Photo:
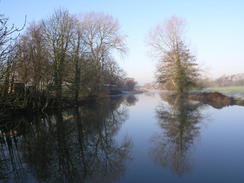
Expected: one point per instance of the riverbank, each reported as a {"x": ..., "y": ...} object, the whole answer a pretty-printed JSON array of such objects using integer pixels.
[
  {"x": 216, "y": 99},
  {"x": 14, "y": 104},
  {"x": 41, "y": 102},
  {"x": 231, "y": 91}
]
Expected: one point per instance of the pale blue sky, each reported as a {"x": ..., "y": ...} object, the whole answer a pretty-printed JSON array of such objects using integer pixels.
[{"x": 215, "y": 28}]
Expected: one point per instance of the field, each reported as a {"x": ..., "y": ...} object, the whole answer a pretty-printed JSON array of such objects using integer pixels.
[{"x": 234, "y": 91}]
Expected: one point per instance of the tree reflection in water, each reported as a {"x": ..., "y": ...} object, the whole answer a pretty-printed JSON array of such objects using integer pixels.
[
  {"x": 179, "y": 119},
  {"x": 75, "y": 145},
  {"x": 131, "y": 100}
]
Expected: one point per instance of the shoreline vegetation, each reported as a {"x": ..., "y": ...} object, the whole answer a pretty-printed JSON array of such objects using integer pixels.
[
  {"x": 43, "y": 102},
  {"x": 216, "y": 99},
  {"x": 212, "y": 98},
  {"x": 66, "y": 60},
  {"x": 61, "y": 61},
  {"x": 40, "y": 102}
]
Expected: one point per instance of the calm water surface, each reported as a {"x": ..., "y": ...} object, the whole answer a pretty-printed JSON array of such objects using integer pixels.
[{"x": 143, "y": 138}]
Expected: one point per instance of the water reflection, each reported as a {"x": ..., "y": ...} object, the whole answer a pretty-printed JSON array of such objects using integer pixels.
[
  {"x": 75, "y": 145},
  {"x": 131, "y": 100},
  {"x": 179, "y": 120}
]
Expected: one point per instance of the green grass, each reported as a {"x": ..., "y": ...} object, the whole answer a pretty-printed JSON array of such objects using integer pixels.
[{"x": 228, "y": 89}]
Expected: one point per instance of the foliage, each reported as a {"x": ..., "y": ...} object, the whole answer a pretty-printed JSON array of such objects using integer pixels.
[
  {"x": 177, "y": 69},
  {"x": 62, "y": 54}
]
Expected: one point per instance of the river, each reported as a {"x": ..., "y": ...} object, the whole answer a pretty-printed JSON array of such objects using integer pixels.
[{"x": 147, "y": 137}]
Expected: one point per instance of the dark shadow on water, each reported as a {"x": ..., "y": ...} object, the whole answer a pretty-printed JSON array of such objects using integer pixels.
[
  {"x": 75, "y": 145},
  {"x": 179, "y": 120}
]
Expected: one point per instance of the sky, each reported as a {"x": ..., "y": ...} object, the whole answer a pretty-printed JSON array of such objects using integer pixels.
[{"x": 215, "y": 28}]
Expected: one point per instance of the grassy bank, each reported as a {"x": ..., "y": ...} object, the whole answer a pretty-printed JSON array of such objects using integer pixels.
[
  {"x": 231, "y": 91},
  {"x": 228, "y": 89}
]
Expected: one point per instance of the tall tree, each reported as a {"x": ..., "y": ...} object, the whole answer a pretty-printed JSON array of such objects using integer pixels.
[
  {"x": 102, "y": 36},
  {"x": 177, "y": 69},
  {"x": 32, "y": 59},
  {"x": 77, "y": 56},
  {"x": 57, "y": 31},
  {"x": 7, "y": 51}
]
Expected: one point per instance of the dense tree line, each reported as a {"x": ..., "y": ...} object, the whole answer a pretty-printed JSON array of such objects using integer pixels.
[{"x": 63, "y": 54}]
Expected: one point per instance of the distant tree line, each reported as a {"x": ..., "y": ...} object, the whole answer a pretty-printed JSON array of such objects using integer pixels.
[
  {"x": 228, "y": 80},
  {"x": 62, "y": 54}
]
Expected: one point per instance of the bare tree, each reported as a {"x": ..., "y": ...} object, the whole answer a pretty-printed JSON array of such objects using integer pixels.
[
  {"x": 32, "y": 61},
  {"x": 177, "y": 69},
  {"x": 57, "y": 32},
  {"x": 102, "y": 36},
  {"x": 8, "y": 37},
  {"x": 78, "y": 57}
]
